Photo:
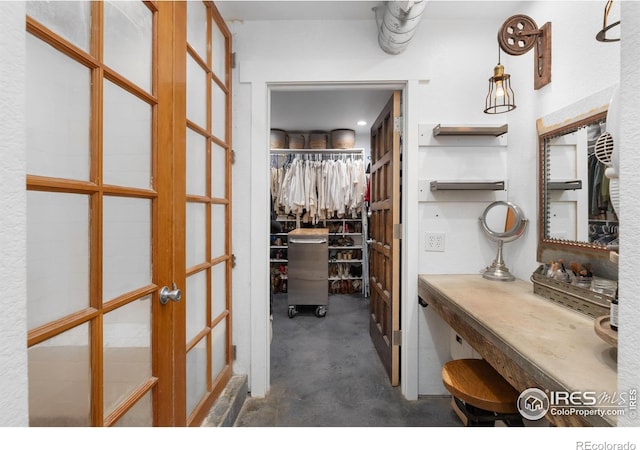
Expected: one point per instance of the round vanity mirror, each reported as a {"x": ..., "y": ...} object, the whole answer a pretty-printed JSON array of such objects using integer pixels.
[{"x": 502, "y": 222}]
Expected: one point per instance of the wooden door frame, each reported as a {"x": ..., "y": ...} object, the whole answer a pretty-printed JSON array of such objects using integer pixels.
[{"x": 172, "y": 171}]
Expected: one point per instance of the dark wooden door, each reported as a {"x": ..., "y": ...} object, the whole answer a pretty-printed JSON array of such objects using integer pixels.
[{"x": 384, "y": 322}]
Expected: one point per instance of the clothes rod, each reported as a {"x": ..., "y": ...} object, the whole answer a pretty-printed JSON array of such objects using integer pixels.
[{"x": 342, "y": 151}]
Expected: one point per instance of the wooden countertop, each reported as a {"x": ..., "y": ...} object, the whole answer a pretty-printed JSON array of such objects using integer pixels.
[
  {"x": 529, "y": 340},
  {"x": 309, "y": 232}
]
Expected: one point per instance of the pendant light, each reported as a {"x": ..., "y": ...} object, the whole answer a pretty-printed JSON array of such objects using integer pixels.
[{"x": 500, "y": 98}]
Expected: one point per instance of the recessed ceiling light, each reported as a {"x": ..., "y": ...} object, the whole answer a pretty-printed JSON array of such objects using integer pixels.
[{"x": 362, "y": 123}]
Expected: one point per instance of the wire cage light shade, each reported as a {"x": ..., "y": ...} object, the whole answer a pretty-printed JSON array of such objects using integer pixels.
[{"x": 500, "y": 98}]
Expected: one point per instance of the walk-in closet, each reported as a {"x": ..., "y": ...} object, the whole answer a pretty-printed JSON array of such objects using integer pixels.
[
  {"x": 314, "y": 188},
  {"x": 320, "y": 160}
]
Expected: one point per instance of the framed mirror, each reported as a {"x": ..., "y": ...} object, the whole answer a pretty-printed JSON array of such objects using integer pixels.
[{"x": 576, "y": 217}]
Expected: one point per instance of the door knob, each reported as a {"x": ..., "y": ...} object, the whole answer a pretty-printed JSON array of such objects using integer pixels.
[{"x": 167, "y": 294}]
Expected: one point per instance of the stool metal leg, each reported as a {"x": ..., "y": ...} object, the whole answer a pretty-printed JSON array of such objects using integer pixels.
[{"x": 478, "y": 417}]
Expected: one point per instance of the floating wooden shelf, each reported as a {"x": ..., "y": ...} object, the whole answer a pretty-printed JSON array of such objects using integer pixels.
[
  {"x": 467, "y": 185},
  {"x": 570, "y": 185},
  {"x": 479, "y": 130}
]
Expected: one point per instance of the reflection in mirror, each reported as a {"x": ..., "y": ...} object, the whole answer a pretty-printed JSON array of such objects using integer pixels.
[
  {"x": 576, "y": 211},
  {"x": 501, "y": 222},
  {"x": 578, "y": 205}
]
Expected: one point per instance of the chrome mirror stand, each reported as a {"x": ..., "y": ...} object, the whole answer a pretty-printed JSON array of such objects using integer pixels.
[{"x": 494, "y": 216}]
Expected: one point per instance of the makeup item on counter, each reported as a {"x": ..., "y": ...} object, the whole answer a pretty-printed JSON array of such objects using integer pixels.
[
  {"x": 549, "y": 269},
  {"x": 613, "y": 313},
  {"x": 581, "y": 275},
  {"x": 560, "y": 273}
]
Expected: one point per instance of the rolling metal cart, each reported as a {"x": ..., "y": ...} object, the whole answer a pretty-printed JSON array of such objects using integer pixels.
[{"x": 308, "y": 270}]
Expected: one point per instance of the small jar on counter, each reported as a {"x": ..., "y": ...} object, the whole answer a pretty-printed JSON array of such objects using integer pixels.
[{"x": 604, "y": 286}]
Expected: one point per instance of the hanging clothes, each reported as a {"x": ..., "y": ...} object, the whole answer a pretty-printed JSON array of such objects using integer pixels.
[{"x": 317, "y": 190}]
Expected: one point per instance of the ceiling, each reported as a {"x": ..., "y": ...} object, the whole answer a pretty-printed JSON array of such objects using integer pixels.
[
  {"x": 327, "y": 108},
  {"x": 296, "y": 10},
  {"x": 357, "y": 10}
]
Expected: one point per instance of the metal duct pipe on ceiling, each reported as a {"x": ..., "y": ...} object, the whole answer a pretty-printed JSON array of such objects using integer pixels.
[{"x": 398, "y": 24}]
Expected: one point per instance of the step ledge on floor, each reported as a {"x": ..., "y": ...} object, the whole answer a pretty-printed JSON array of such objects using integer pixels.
[{"x": 225, "y": 410}]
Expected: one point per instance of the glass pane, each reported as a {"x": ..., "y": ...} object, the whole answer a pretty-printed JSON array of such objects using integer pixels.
[
  {"x": 219, "y": 349},
  {"x": 60, "y": 380},
  {"x": 127, "y": 351},
  {"x": 196, "y": 234},
  {"x": 128, "y": 38},
  {"x": 126, "y": 245},
  {"x": 58, "y": 111},
  {"x": 197, "y": 27},
  {"x": 196, "y": 375},
  {"x": 218, "y": 289},
  {"x": 196, "y": 93},
  {"x": 218, "y": 171},
  {"x": 57, "y": 256},
  {"x": 141, "y": 415},
  {"x": 196, "y": 163},
  {"x": 127, "y": 138},
  {"x": 71, "y": 20},
  {"x": 196, "y": 298},
  {"x": 218, "y": 230},
  {"x": 218, "y": 52},
  {"x": 218, "y": 111}
]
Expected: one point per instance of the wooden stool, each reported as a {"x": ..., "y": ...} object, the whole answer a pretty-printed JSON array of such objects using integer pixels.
[{"x": 480, "y": 394}]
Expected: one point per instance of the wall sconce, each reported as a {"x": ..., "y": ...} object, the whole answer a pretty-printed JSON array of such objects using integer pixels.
[
  {"x": 517, "y": 36},
  {"x": 602, "y": 34}
]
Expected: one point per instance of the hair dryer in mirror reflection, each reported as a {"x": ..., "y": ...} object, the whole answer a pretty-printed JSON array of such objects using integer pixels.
[{"x": 502, "y": 222}]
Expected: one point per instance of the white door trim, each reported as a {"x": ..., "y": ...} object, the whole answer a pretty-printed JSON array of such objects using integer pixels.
[{"x": 263, "y": 80}]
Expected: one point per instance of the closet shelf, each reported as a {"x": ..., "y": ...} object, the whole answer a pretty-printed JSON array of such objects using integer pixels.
[
  {"x": 569, "y": 185},
  {"x": 343, "y": 151},
  {"x": 467, "y": 185},
  {"x": 478, "y": 130}
]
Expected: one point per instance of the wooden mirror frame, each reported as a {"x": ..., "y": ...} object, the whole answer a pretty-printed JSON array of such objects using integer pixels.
[{"x": 603, "y": 264}]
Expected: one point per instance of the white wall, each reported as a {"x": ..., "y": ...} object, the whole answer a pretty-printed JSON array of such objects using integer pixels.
[
  {"x": 13, "y": 322},
  {"x": 581, "y": 66},
  {"x": 628, "y": 360},
  {"x": 443, "y": 87}
]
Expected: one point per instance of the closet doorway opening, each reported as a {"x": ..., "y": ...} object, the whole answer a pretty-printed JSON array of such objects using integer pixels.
[{"x": 335, "y": 162}]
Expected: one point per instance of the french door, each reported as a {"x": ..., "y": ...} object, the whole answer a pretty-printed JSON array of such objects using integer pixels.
[
  {"x": 128, "y": 293},
  {"x": 384, "y": 320}
]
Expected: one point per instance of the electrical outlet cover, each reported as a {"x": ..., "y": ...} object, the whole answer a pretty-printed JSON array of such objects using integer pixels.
[{"x": 434, "y": 242}]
